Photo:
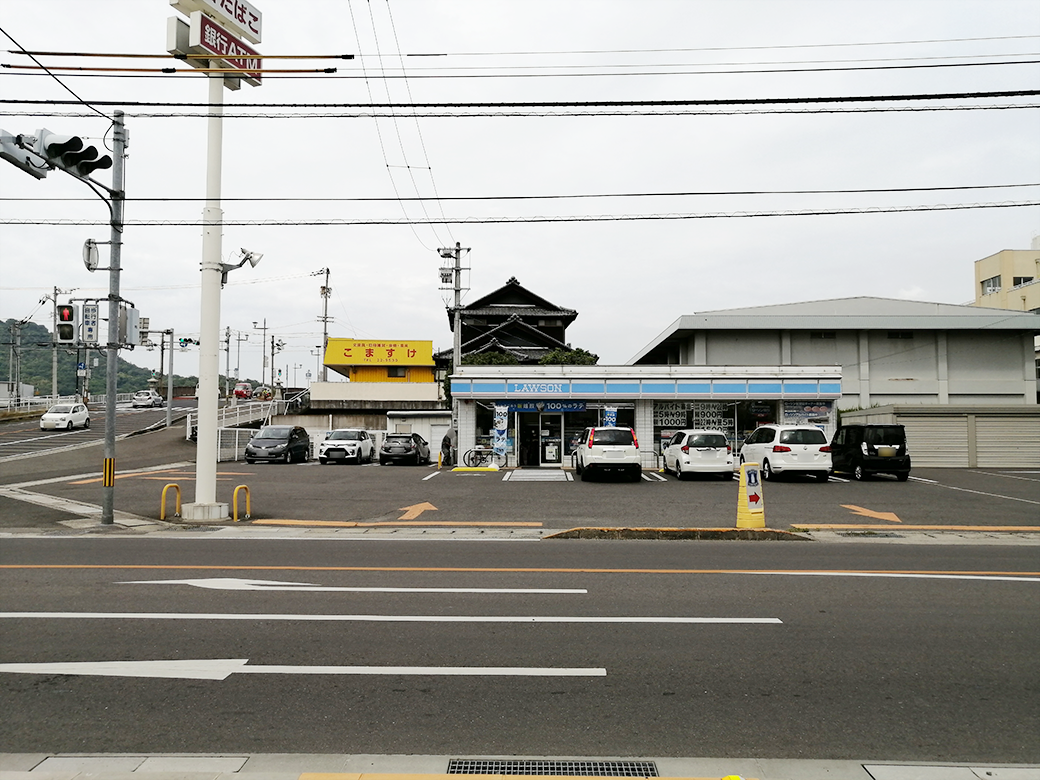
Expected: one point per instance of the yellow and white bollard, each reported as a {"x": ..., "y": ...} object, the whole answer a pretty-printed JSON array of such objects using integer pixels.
[{"x": 751, "y": 504}]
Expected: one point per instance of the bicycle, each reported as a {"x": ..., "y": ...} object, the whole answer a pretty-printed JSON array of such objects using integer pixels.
[{"x": 482, "y": 456}]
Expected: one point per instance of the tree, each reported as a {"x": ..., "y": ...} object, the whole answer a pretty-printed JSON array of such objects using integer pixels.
[{"x": 569, "y": 357}]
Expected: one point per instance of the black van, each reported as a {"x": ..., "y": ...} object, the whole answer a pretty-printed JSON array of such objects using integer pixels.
[{"x": 862, "y": 450}]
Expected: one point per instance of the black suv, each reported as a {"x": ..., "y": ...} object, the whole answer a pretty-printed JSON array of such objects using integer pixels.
[{"x": 862, "y": 450}]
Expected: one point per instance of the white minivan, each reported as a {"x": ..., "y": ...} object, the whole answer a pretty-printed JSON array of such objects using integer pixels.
[
  {"x": 605, "y": 450},
  {"x": 788, "y": 449}
]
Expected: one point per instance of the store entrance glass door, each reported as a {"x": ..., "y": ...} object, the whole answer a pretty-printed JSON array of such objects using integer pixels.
[{"x": 550, "y": 444}]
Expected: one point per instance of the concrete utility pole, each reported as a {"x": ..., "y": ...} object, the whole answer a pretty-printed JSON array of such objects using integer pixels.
[
  {"x": 263, "y": 350},
  {"x": 456, "y": 355},
  {"x": 326, "y": 291}
]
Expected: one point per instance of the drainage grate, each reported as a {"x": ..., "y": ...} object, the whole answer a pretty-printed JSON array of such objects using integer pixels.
[{"x": 475, "y": 766}]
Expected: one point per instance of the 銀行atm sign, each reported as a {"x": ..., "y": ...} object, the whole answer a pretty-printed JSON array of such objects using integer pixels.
[{"x": 208, "y": 35}]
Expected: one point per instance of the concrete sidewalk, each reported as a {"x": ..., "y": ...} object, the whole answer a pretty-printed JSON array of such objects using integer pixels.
[{"x": 241, "y": 766}]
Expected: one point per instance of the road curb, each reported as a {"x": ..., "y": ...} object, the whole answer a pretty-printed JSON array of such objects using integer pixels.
[{"x": 739, "y": 534}]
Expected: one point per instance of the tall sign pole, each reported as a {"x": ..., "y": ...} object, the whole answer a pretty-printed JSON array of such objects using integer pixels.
[{"x": 205, "y": 43}]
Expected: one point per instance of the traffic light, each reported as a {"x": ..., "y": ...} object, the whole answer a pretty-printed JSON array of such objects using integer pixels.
[
  {"x": 129, "y": 326},
  {"x": 66, "y": 323},
  {"x": 68, "y": 153}
]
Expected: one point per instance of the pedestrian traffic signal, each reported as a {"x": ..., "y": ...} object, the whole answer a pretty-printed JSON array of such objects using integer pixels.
[
  {"x": 69, "y": 153},
  {"x": 66, "y": 323}
]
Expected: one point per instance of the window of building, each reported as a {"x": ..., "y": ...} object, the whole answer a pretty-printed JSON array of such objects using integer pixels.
[
  {"x": 395, "y": 372},
  {"x": 1017, "y": 280},
  {"x": 900, "y": 334},
  {"x": 823, "y": 334},
  {"x": 991, "y": 285}
]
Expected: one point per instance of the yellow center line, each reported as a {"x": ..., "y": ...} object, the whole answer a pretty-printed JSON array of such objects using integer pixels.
[{"x": 352, "y": 524}]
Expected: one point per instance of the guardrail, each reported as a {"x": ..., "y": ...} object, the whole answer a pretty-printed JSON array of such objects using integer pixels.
[{"x": 36, "y": 402}]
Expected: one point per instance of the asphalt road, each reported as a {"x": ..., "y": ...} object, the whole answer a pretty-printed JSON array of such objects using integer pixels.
[{"x": 900, "y": 662}]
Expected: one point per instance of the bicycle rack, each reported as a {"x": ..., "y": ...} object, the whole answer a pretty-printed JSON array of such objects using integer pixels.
[
  {"x": 162, "y": 508},
  {"x": 234, "y": 501}
]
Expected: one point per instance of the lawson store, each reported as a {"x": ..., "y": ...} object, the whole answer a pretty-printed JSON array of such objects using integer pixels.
[{"x": 535, "y": 414}]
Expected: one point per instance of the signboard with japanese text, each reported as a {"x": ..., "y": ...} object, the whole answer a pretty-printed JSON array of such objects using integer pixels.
[
  {"x": 208, "y": 36},
  {"x": 709, "y": 414},
  {"x": 671, "y": 414},
  {"x": 242, "y": 17},
  {"x": 378, "y": 352},
  {"x": 90, "y": 329}
]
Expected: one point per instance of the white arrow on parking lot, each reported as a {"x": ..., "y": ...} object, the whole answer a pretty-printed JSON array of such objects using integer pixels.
[
  {"x": 222, "y": 668},
  {"x": 231, "y": 583}
]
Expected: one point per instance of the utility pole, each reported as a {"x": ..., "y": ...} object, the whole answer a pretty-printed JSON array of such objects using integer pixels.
[
  {"x": 263, "y": 349},
  {"x": 227, "y": 364},
  {"x": 239, "y": 338},
  {"x": 455, "y": 276},
  {"x": 326, "y": 291}
]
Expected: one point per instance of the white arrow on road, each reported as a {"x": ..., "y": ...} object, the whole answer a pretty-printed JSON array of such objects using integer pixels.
[
  {"x": 232, "y": 583},
  {"x": 222, "y": 668}
]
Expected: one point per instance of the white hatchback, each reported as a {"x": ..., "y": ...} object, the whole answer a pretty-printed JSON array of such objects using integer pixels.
[
  {"x": 603, "y": 450},
  {"x": 788, "y": 449},
  {"x": 67, "y": 416},
  {"x": 699, "y": 451}
]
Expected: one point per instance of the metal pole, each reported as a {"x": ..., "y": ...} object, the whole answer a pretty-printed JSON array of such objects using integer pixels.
[
  {"x": 227, "y": 364},
  {"x": 54, "y": 352},
  {"x": 108, "y": 480},
  {"x": 169, "y": 385},
  {"x": 205, "y": 506}
]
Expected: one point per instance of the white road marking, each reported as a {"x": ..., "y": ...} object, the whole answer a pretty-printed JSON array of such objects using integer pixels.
[
  {"x": 430, "y": 476},
  {"x": 898, "y": 575},
  {"x": 976, "y": 492},
  {"x": 376, "y": 618},
  {"x": 231, "y": 583},
  {"x": 221, "y": 669}
]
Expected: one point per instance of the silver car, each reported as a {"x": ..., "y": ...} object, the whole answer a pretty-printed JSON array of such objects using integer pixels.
[{"x": 146, "y": 399}]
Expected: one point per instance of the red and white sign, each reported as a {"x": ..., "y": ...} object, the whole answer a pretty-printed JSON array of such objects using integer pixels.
[
  {"x": 207, "y": 35},
  {"x": 240, "y": 16}
]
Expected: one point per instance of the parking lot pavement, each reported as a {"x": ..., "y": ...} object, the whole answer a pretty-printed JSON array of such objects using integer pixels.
[{"x": 383, "y": 499}]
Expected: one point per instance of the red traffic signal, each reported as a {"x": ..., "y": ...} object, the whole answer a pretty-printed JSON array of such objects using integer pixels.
[
  {"x": 66, "y": 323},
  {"x": 67, "y": 313}
]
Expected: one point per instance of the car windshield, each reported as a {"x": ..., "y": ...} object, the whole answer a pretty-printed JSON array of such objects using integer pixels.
[
  {"x": 344, "y": 435},
  {"x": 707, "y": 440},
  {"x": 885, "y": 434},
  {"x": 59, "y": 410},
  {"x": 612, "y": 436},
  {"x": 274, "y": 432},
  {"x": 803, "y": 436}
]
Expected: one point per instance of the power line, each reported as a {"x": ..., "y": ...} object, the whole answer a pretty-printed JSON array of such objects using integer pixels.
[
  {"x": 467, "y": 198},
  {"x": 532, "y": 219}
]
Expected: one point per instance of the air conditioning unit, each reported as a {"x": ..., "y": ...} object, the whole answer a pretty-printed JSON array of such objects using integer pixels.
[{"x": 991, "y": 290}]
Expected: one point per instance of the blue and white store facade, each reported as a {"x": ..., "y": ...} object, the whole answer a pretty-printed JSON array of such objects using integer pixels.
[{"x": 535, "y": 414}]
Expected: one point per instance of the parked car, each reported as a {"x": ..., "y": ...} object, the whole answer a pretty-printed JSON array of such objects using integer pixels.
[
  {"x": 146, "y": 399},
  {"x": 404, "y": 448},
  {"x": 606, "y": 450},
  {"x": 862, "y": 450},
  {"x": 699, "y": 452},
  {"x": 285, "y": 443},
  {"x": 66, "y": 416},
  {"x": 243, "y": 390},
  {"x": 788, "y": 449},
  {"x": 346, "y": 444}
]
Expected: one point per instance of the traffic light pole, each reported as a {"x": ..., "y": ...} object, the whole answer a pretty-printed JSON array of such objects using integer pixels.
[{"x": 112, "y": 352}]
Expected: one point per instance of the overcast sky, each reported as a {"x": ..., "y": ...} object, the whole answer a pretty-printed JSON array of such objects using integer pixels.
[{"x": 508, "y": 179}]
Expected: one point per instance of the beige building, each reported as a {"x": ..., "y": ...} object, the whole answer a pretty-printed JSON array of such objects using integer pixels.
[{"x": 1010, "y": 279}]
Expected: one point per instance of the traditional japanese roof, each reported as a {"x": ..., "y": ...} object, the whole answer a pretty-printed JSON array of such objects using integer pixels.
[{"x": 514, "y": 298}]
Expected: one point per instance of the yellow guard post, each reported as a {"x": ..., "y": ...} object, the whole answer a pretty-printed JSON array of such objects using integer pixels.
[{"x": 751, "y": 505}]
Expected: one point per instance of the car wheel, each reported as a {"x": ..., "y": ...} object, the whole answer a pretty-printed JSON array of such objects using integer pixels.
[
  {"x": 903, "y": 476},
  {"x": 578, "y": 467},
  {"x": 823, "y": 476},
  {"x": 858, "y": 473},
  {"x": 678, "y": 470},
  {"x": 586, "y": 475},
  {"x": 382, "y": 462},
  {"x": 767, "y": 470},
  {"x": 86, "y": 423},
  {"x": 69, "y": 426},
  {"x": 287, "y": 457},
  {"x": 323, "y": 461},
  {"x": 637, "y": 475},
  {"x": 726, "y": 476}
]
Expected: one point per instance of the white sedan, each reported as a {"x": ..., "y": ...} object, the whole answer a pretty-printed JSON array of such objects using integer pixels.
[
  {"x": 67, "y": 416},
  {"x": 699, "y": 452}
]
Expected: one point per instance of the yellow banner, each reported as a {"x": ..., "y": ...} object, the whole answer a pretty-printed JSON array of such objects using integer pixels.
[{"x": 378, "y": 352}]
